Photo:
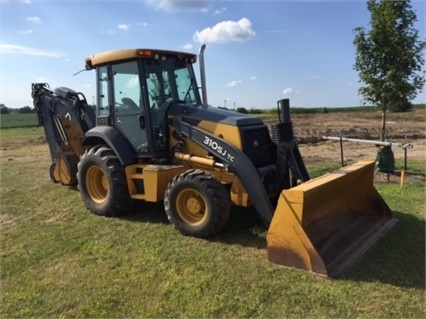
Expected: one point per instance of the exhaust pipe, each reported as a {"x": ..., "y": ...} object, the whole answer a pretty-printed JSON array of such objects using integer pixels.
[{"x": 203, "y": 75}]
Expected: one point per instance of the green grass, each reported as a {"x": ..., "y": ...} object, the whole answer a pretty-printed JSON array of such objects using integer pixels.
[
  {"x": 57, "y": 260},
  {"x": 21, "y": 135},
  {"x": 15, "y": 119}
]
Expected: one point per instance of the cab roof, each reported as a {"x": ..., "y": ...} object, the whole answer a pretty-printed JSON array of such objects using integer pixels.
[{"x": 109, "y": 57}]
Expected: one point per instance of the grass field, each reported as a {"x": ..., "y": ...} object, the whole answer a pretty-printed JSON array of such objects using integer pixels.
[
  {"x": 57, "y": 260},
  {"x": 15, "y": 119}
]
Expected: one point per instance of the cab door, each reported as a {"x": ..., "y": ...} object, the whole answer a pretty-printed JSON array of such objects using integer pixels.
[{"x": 128, "y": 106}]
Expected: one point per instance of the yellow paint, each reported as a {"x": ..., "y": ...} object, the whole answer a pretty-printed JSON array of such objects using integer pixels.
[
  {"x": 311, "y": 220},
  {"x": 154, "y": 179}
]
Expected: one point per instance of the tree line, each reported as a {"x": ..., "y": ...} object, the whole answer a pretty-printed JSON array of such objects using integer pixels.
[{"x": 6, "y": 110}]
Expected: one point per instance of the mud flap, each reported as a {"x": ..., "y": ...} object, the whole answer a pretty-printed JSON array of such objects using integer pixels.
[{"x": 326, "y": 224}]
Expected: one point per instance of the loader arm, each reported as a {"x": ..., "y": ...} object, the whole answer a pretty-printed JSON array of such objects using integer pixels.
[{"x": 236, "y": 161}]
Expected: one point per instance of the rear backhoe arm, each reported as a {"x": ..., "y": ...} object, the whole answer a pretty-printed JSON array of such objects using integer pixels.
[
  {"x": 238, "y": 163},
  {"x": 65, "y": 116}
]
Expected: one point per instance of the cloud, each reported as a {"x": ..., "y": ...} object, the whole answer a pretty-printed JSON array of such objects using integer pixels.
[
  {"x": 25, "y": 32},
  {"x": 226, "y": 31},
  {"x": 34, "y": 19},
  {"x": 183, "y": 5},
  {"x": 234, "y": 83},
  {"x": 219, "y": 11},
  {"x": 17, "y": 49},
  {"x": 188, "y": 46},
  {"x": 133, "y": 82},
  {"x": 253, "y": 77},
  {"x": 123, "y": 27},
  {"x": 288, "y": 91}
]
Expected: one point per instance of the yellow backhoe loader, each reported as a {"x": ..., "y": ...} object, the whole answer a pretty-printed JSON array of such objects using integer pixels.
[{"x": 153, "y": 137}]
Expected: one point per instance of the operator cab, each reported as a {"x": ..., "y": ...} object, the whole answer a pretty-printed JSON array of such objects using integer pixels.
[{"x": 135, "y": 89}]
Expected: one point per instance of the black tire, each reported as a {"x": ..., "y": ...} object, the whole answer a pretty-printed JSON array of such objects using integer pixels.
[
  {"x": 197, "y": 204},
  {"x": 102, "y": 182}
]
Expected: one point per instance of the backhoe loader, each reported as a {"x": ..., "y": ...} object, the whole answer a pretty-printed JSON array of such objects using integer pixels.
[{"x": 153, "y": 137}]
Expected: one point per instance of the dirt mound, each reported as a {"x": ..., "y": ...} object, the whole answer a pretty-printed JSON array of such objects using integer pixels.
[
  {"x": 408, "y": 127},
  {"x": 362, "y": 125}
]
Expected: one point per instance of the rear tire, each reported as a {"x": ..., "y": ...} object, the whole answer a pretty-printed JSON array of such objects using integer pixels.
[
  {"x": 197, "y": 204},
  {"x": 102, "y": 182}
]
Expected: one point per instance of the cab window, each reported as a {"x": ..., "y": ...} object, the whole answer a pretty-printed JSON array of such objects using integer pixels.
[
  {"x": 103, "y": 85},
  {"x": 127, "y": 90}
]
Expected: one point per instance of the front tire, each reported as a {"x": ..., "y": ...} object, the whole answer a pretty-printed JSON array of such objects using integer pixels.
[
  {"x": 197, "y": 204},
  {"x": 102, "y": 182}
]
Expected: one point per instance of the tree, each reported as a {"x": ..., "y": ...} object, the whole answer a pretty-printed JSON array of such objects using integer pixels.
[
  {"x": 389, "y": 57},
  {"x": 4, "y": 109},
  {"x": 242, "y": 110},
  {"x": 25, "y": 109}
]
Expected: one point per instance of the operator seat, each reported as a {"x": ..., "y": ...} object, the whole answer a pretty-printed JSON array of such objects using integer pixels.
[{"x": 132, "y": 106}]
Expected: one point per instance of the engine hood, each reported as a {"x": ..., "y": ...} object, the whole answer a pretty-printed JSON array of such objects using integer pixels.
[{"x": 196, "y": 114}]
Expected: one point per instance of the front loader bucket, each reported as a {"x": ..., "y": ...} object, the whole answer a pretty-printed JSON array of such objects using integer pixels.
[{"x": 326, "y": 224}]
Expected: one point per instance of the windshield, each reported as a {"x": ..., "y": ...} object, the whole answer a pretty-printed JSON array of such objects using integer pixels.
[{"x": 170, "y": 81}]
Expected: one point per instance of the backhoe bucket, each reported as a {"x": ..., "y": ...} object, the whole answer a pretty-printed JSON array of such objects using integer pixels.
[{"x": 326, "y": 224}]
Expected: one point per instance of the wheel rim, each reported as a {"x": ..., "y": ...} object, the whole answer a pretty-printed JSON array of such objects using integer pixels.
[
  {"x": 191, "y": 206},
  {"x": 97, "y": 184}
]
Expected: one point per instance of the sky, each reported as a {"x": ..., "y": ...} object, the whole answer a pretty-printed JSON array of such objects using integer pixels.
[{"x": 258, "y": 52}]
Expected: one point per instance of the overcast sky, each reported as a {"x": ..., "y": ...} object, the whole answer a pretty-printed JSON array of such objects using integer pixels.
[{"x": 257, "y": 51}]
